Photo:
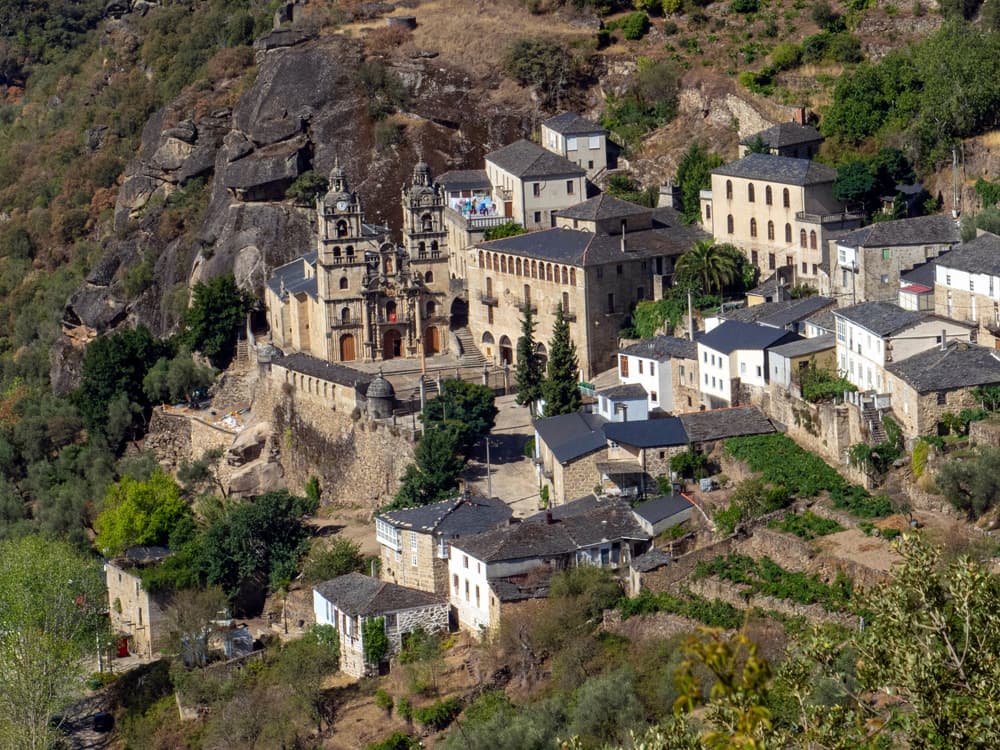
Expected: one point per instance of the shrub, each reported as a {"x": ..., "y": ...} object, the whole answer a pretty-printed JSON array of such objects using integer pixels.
[
  {"x": 396, "y": 741},
  {"x": 819, "y": 384},
  {"x": 384, "y": 701},
  {"x": 544, "y": 65},
  {"x": 786, "y": 56},
  {"x": 745, "y": 6},
  {"x": 307, "y": 187},
  {"x": 690, "y": 463},
  {"x": 376, "y": 642},
  {"x": 439, "y": 714},
  {"x": 635, "y": 25},
  {"x": 806, "y": 525},
  {"x": 389, "y": 133}
]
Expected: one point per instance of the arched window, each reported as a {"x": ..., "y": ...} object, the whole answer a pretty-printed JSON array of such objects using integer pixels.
[
  {"x": 503, "y": 263},
  {"x": 350, "y": 253},
  {"x": 572, "y": 277},
  {"x": 565, "y": 275},
  {"x": 341, "y": 228},
  {"x": 548, "y": 272},
  {"x": 788, "y": 233},
  {"x": 753, "y": 227},
  {"x": 729, "y": 190},
  {"x": 426, "y": 223},
  {"x": 802, "y": 238},
  {"x": 770, "y": 230},
  {"x": 812, "y": 239},
  {"x": 517, "y": 267},
  {"x": 767, "y": 195},
  {"x": 336, "y": 254},
  {"x": 345, "y": 315},
  {"x": 421, "y": 249},
  {"x": 534, "y": 270},
  {"x": 729, "y": 224},
  {"x": 785, "y": 199},
  {"x": 431, "y": 309},
  {"x": 429, "y": 277},
  {"x": 481, "y": 254},
  {"x": 496, "y": 262},
  {"x": 750, "y": 192},
  {"x": 343, "y": 282},
  {"x": 434, "y": 248}
]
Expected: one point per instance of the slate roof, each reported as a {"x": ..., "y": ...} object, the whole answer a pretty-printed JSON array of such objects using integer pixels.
[
  {"x": 922, "y": 275},
  {"x": 920, "y": 230},
  {"x": 464, "y": 514},
  {"x": 624, "y": 392},
  {"x": 662, "y": 507},
  {"x": 717, "y": 424},
  {"x": 139, "y": 556},
  {"x": 294, "y": 277},
  {"x": 780, "y": 314},
  {"x": 570, "y": 436},
  {"x": 651, "y": 560},
  {"x": 785, "y": 134},
  {"x": 539, "y": 538},
  {"x": 526, "y": 160},
  {"x": 318, "y": 368},
  {"x": 570, "y": 123},
  {"x": 647, "y": 433},
  {"x": 979, "y": 255},
  {"x": 464, "y": 179},
  {"x": 960, "y": 365},
  {"x": 582, "y": 248},
  {"x": 881, "y": 318},
  {"x": 661, "y": 348},
  {"x": 781, "y": 169},
  {"x": 823, "y": 319},
  {"x": 733, "y": 335},
  {"x": 359, "y": 595},
  {"x": 602, "y": 207},
  {"x": 806, "y": 346}
]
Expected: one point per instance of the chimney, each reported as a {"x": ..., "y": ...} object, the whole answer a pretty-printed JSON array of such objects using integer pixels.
[
  {"x": 800, "y": 115},
  {"x": 944, "y": 339},
  {"x": 623, "y": 239},
  {"x": 548, "y": 517}
]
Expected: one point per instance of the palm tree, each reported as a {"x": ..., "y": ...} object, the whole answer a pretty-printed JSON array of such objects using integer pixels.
[{"x": 708, "y": 265}]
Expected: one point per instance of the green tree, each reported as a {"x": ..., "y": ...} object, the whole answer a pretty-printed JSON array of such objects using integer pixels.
[
  {"x": 376, "y": 642},
  {"x": 855, "y": 184},
  {"x": 211, "y": 325},
  {"x": 467, "y": 408},
  {"x": 255, "y": 546},
  {"x": 528, "y": 373},
  {"x": 561, "y": 390},
  {"x": 51, "y": 609},
  {"x": 507, "y": 229},
  {"x": 972, "y": 483},
  {"x": 304, "y": 664},
  {"x": 605, "y": 709},
  {"x": 544, "y": 65},
  {"x": 433, "y": 475},
  {"x": 196, "y": 475},
  {"x": 150, "y": 512},
  {"x": 694, "y": 174},
  {"x": 307, "y": 187},
  {"x": 758, "y": 146},
  {"x": 624, "y": 187},
  {"x": 342, "y": 556},
  {"x": 176, "y": 379},
  {"x": 705, "y": 266}
]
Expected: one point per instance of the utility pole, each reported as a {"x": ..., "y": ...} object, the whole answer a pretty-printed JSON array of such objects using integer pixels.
[
  {"x": 489, "y": 477},
  {"x": 690, "y": 317}
]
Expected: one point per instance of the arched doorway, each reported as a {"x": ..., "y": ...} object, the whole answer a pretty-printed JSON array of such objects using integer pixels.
[
  {"x": 543, "y": 356},
  {"x": 487, "y": 345},
  {"x": 392, "y": 344},
  {"x": 347, "y": 353},
  {"x": 432, "y": 341},
  {"x": 459, "y": 313},
  {"x": 506, "y": 351}
]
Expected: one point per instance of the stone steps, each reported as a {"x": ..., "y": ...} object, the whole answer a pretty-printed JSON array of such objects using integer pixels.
[
  {"x": 874, "y": 422},
  {"x": 471, "y": 356}
]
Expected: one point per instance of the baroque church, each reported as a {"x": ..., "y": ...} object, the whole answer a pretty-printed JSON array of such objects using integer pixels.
[{"x": 359, "y": 296}]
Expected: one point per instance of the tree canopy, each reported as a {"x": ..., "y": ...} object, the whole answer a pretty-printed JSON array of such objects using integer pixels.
[
  {"x": 147, "y": 512},
  {"x": 561, "y": 389},
  {"x": 433, "y": 475},
  {"x": 694, "y": 174},
  {"x": 706, "y": 266},
  {"x": 466, "y": 408},
  {"x": 528, "y": 373},
  {"x": 211, "y": 325}
]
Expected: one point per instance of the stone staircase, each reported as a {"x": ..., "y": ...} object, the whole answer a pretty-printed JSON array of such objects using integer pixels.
[
  {"x": 242, "y": 351},
  {"x": 874, "y": 422},
  {"x": 471, "y": 356}
]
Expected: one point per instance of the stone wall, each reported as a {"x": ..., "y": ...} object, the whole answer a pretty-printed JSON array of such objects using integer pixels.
[
  {"x": 576, "y": 478},
  {"x": 824, "y": 428},
  {"x": 169, "y": 439},
  {"x": 135, "y": 613},
  {"x": 741, "y": 598},
  {"x": 358, "y": 461},
  {"x": 430, "y": 573}
]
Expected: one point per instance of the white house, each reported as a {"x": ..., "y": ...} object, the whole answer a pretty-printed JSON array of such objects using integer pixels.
[
  {"x": 873, "y": 334},
  {"x": 651, "y": 363},
  {"x": 623, "y": 403},
  {"x": 967, "y": 284},
  {"x": 580, "y": 141},
  {"x": 734, "y": 354},
  {"x": 349, "y": 601}
]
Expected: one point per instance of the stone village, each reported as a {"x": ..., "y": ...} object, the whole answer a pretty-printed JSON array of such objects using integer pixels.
[{"x": 361, "y": 331}]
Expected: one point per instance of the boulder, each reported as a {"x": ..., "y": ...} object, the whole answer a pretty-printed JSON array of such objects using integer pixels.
[
  {"x": 257, "y": 478},
  {"x": 249, "y": 444}
]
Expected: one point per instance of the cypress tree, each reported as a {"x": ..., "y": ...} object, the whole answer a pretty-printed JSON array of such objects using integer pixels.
[
  {"x": 528, "y": 374},
  {"x": 560, "y": 389}
]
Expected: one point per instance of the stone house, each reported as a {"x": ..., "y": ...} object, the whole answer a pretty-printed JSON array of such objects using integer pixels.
[
  {"x": 667, "y": 367},
  {"x": 639, "y": 452},
  {"x": 967, "y": 285},
  {"x": 780, "y": 211},
  {"x": 794, "y": 139},
  {"x": 349, "y": 601},
  {"x": 580, "y": 141},
  {"x": 704, "y": 428},
  {"x": 788, "y": 360},
  {"x": 135, "y": 613},
  {"x": 733, "y": 357},
  {"x": 871, "y": 335},
  {"x": 597, "y": 277},
  {"x": 515, "y": 562},
  {"x": 359, "y": 295},
  {"x": 567, "y": 449},
  {"x": 788, "y": 314},
  {"x": 660, "y": 514},
  {"x": 937, "y": 381},
  {"x": 869, "y": 261},
  {"x": 414, "y": 543}
]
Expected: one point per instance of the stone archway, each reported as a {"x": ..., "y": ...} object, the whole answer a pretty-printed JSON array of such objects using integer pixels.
[
  {"x": 506, "y": 351},
  {"x": 432, "y": 340},
  {"x": 459, "y": 313},
  {"x": 392, "y": 344}
]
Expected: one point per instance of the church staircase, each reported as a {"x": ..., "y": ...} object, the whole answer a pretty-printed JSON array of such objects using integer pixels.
[{"x": 470, "y": 355}]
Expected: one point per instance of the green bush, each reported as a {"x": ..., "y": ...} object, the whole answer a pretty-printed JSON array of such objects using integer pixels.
[
  {"x": 383, "y": 700},
  {"x": 823, "y": 385},
  {"x": 764, "y": 576},
  {"x": 396, "y": 741},
  {"x": 806, "y": 525},
  {"x": 634, "y": 25},
  {"x": 711, "y": 612},
  {"x": 745, "y": 6},
  {"x": 786, "y": 56},
  {"x": 439, "y": 714}
]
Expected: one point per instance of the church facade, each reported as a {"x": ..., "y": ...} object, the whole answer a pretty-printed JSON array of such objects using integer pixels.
[{"x": 360, "y": 296}]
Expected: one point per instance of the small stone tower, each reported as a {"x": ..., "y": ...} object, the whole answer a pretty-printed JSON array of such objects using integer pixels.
[{"x": 380, "y": 398}]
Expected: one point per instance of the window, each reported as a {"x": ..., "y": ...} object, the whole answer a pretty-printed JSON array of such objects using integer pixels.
[
  {"x": 743, "y": 368},
  {"x": 640, "y": 367},
  {"x": 536, "y": 189},
  {"x": 759, "y": 373},
  {"x": 538, "y": 217},
  {"x": 942, "y": 399},
  {"x": 788, "y": 233},
  {"x": 750, "y": 192},
  {"x": 477, "y": 596},
  {"x": 600, "y": 272},
  {"x": 753, "y": 227},
  {"x": 569, "y": 187},
  {"x": 802, "y": 238},
  {"x": 947, "y": 279},
  {"x": 571, "y": 144},
  {"x": 770, "y": 230},
  {"x": 611, "y": 302},
  {"x": 770, "y": 261},
  {"x": 623, "y": 366},
  {"x": 886, "y": 253},
  {"x": 652, "y": 396},
  {"x": 805, "y": 268},
  {"x": 767, "y": 195},
  {"x": 454, "y": 580},
  {"x": 343, "y": 283},
  {"x": 681, "y": 368},
  {"x": 729, "y": 190},
  {"x": 590, "y": 164},
  {"x": 704, "y": 356},
  {"x": 785, "y": 199},
  {"x": 753, "y": 257},
  {"x": 812, "y": 240},
  {"x": 815, "y": 269},
  {"x": 466, "y": 591},
  {"x": 593, "y": 142},
  {"x": 465, "y": 561},
  {"x": 652, "y": 368},
  {"x": 618, "y": 269},
  {"x": 729, "y": 224},
  {"x": 789, "y": 260},
  {"x": 413, "y": 548},
  {"x": 708, "y": 210}
]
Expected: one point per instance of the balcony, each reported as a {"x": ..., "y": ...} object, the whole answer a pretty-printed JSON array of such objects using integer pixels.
[
  {"x": 476, "y": 222},
  {"x": 568, "y": 313},
  {"x": 488, "y": 298},
  {"x": 392, "y": 320},
  {"x": 520, "y": 303},
  {"x": 840, "y": 217},
  {"x": 347, "y": 323}
]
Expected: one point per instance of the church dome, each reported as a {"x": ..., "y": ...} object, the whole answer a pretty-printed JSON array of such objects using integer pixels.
[
  {"x": 422, "y": 173},
  {"x": 380, "y": 388}
]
